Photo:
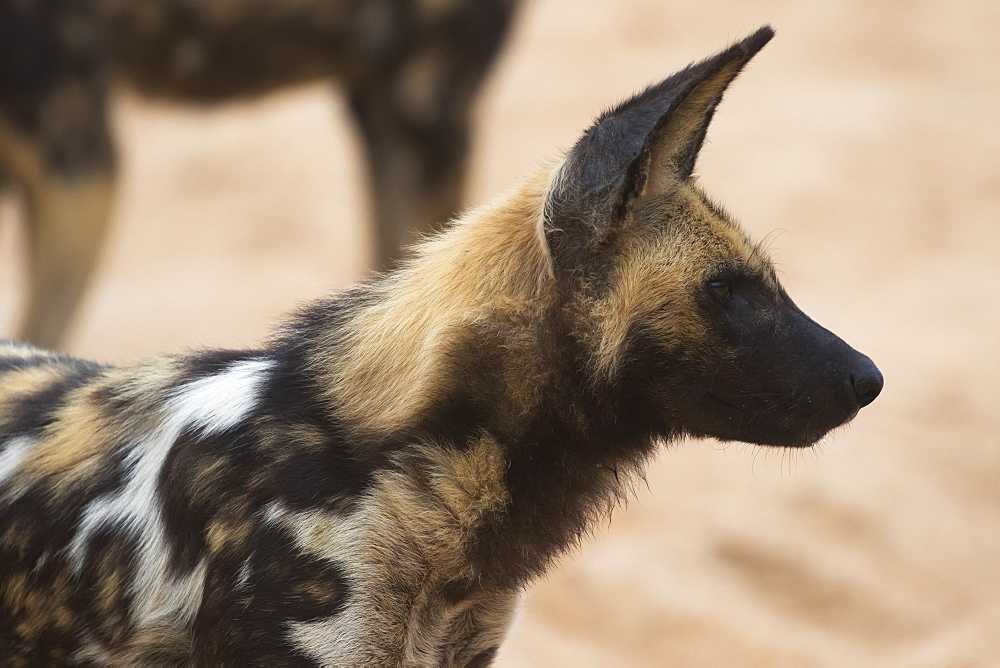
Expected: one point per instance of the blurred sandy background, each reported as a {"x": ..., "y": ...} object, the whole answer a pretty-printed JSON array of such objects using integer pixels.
[{"x": 865, "y": 139}]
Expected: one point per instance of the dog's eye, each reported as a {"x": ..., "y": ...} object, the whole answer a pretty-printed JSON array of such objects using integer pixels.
[{"x": 721, "y": 290}]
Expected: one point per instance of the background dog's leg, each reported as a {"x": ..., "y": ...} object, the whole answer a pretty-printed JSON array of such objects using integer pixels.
[
  {"x": 68, "y": 219},
  {"x": 416, "y": 168},
  {"x": 415, "y": 120}
]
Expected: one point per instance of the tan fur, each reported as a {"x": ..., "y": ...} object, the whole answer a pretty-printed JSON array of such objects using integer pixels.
[
  {"x": 471, "y": 482},
  {"x": 72, "y": 453},
  {"x": 660, "y": 269},
  {"x": 15, "y": 384},
  {"x": 228, "y": 528},
  {"x": 491, "y": 263}
]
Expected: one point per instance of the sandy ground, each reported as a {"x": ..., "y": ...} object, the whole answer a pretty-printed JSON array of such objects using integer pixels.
[{"x": 865, "y": 140}]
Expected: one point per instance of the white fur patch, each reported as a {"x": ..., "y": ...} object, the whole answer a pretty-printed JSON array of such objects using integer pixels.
[
  {"x": 246, "y": 570},
  {"x": 13, "y": 454},
  {"x": 334, "y": 641},
  {"x": 220, "y": 402},
  {"x": 368, "y": 630},
  {"x": 554, "y": 177},
  {"x": 338, "y": 640},
  {"x": 212, "y": 404}
]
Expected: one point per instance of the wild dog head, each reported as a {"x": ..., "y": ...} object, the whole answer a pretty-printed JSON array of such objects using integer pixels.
[{"x": 670, "y": 303}]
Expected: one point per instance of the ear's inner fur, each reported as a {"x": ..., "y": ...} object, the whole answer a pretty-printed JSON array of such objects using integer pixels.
[
  {"x": 644, "y": 146},
  {"x": 673, "y": 146}
]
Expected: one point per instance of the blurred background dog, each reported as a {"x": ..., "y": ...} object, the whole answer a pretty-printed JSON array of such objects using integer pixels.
[
  {"x": 869, "y": 132},
  {"x": 410, "y": 71}
]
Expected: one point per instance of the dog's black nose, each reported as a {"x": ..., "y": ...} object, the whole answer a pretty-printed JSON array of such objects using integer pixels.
[{"x": 867, "y": 382}]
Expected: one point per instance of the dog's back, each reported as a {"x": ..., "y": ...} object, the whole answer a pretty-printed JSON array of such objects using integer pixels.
[
  {"x": 104, "y": 540},
  {"x": 204, "y": 508}
]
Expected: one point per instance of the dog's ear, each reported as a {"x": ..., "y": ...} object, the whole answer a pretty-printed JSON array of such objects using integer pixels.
[{"x": 640, "y": 148}]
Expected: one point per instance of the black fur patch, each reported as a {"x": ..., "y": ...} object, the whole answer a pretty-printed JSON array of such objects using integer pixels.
[{"x": 253, "y": 592}]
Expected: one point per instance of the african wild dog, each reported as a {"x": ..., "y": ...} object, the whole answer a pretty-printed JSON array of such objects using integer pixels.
[
  {"x": 410, "y": 69},
  {"x": 377, "y": 483}
]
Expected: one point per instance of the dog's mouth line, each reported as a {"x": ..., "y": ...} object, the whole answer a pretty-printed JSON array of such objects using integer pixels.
[
  {"x": 725, "y": 403},
  {"x": 802, "y": 440}
]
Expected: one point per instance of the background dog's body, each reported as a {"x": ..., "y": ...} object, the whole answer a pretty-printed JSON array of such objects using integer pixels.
[
  {"x": 378, "y": 483},
  {"x": 410, "y": 69}
]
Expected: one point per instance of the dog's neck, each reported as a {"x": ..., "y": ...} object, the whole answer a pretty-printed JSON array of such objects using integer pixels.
[
  {"x": 468, "y": 339},
  {"x": 477, "y": 289}
]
